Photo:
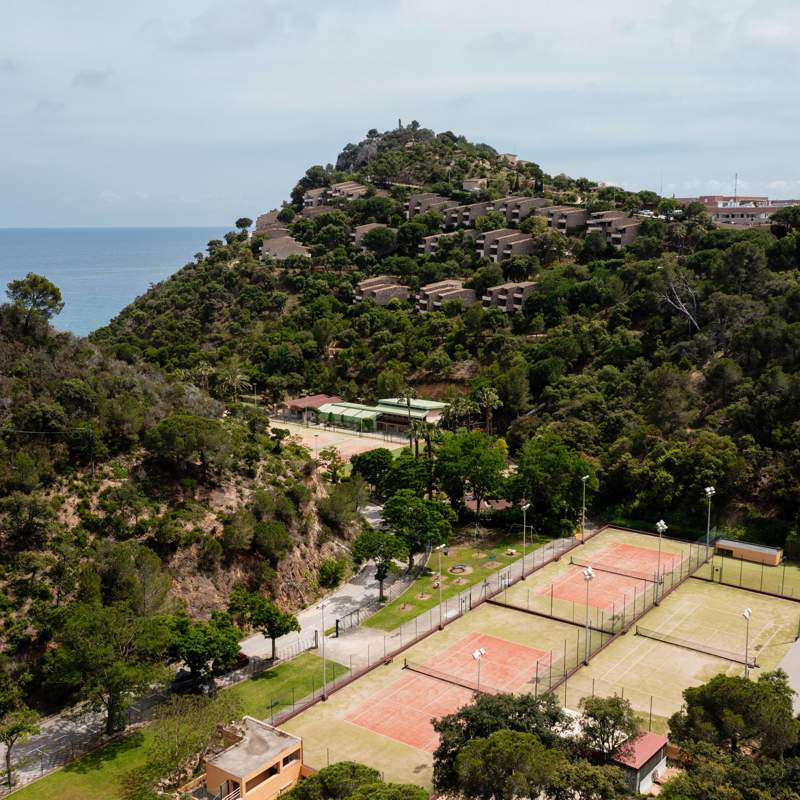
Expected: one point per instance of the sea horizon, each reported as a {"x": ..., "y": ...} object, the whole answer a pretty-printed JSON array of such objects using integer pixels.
[{"x": 100, "y": 269}]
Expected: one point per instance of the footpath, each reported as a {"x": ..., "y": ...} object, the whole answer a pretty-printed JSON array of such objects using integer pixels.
[{"x": 69, "y": 734}]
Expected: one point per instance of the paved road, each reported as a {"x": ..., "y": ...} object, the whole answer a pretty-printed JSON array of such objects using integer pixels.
[{"x": 63, "y": 732}]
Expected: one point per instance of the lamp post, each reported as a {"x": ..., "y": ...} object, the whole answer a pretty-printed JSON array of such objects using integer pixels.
[
  {"x": 478, "y": 655},
  {"x": 439, "y": 550},
  {"x": 710, "y": 492},
  {"x": 746, "y": 614},
  {"x": 661, "y": 527},
  {"x": 316, "y": 445},
  {"x": 584, "y": 478},
  {"x": 321, "y": 607},
  {"x": 588, "y": 574},
  {"x": 524, "y": 529}
]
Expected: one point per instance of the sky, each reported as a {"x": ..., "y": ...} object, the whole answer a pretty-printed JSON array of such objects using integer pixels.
[{"x": 196, "y": 112}]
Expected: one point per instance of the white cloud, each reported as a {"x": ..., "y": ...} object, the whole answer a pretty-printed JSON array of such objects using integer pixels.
[{"x": 218, "y": 106}]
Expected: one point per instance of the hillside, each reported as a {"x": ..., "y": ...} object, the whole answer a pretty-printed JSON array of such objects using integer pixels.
[
  {"x": 120, "y": 485},
  {"x": 670, "y": 363}
]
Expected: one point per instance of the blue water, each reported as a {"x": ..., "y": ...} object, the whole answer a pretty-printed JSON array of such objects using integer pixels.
[{"x": 99, "y": 270}]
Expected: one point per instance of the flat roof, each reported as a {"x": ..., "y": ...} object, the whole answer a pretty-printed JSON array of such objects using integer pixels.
[
  {"x": 753, "y": 548},
  {"x": 312, "y": 401},
  {"x": 635, "y": 754},
  {"x": 261, "y": 744},
  {"x": 429, "y": 405},
  {"x": 349, "y": 410}
]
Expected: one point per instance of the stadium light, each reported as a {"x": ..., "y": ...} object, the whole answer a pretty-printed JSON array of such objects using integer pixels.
[
  {"x": 321, "y": 607},
  {"x": 478, "y": 655},
  {"x": 710, "y": 492},
  {"x": 524, "y": 528},
  {"x": 439, "y": 550},
  {"x": 661, "y": 527},
  {"x": 747, "y": 613},
  {"x": 583, "y": 509},
  {"x": 588, "y": 575}
]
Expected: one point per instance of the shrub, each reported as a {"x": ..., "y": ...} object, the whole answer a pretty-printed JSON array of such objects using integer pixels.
[{"x": 331, "y": 572}]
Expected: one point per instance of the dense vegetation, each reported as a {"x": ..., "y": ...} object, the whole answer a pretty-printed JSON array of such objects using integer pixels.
[
  {"x": 670, "y": 366},
  {"x": 137, "y": 467}
]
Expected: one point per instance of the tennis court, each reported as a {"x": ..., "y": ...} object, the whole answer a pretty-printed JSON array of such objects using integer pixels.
[
  {"x": 630, "y": 571},
  {"x": 783, "y": 580},
  {"x": 405, "y": 709},
  {"x": 348, "y": 443},
  {"x": 706, "y": 635},
  {"x": 384, "y": 718}
]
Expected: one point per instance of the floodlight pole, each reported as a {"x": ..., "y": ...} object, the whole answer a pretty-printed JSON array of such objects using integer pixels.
[
  {"x": 524, "y": 529},
  {"x": 661, "y": 527},
  {"x": 746, "y": 614},
  {"x": 478, "y": 655},
  {"x": 588, "y": 574},
  {"x": 324, "y": 670},
  {"x": 710, "y": 492},
  {"x": 439, "y": 552}
]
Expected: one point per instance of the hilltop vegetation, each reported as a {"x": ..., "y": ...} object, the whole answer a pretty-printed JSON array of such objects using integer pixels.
[{"x": 671, "y": 365}]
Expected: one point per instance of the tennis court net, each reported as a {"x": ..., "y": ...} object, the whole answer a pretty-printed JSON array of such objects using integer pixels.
[
  {"x": 698, "y": 647},
  {"x": 639, "y": 575},
  {"x": 446, "y": 677}
]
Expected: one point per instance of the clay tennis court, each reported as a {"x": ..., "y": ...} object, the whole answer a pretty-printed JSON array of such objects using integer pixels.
[
  {"x": 405, "y": 709},
  {"x": 611, "y": 589},
  {"x": 317, "y": 437}
]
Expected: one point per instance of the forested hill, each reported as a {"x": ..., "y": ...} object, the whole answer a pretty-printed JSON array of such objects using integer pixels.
[{"x": 672, "y": 364}]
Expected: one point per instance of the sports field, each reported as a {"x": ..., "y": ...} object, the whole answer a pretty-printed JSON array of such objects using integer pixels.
[
  {"x": 533, "y": 635},
  {"x": 704, "y": 615},
  {"x": 317, "y": 437},
  {"x": 384, "y": 718}
]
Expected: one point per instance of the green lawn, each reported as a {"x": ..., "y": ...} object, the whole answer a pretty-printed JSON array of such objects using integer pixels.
[
  {"x": 486, "y": 557},
  {"x": 97, "y": 776}
]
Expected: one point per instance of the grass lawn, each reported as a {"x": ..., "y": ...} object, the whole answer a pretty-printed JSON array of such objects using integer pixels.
[
  {"x": 98, "y": 775},
  {"x": 484, "y": 558}
]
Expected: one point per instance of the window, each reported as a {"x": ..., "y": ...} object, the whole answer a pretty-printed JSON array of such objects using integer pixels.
[
  {"x": 262, "y": 776},
  {"x": 291, "y": 757}
]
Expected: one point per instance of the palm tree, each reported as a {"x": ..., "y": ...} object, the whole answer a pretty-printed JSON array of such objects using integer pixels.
[
  {"x": 234, "y": 380},
  {"x": 407, "y": 394},
  {"x": 203, "y": 372},
  {"x": 487, "y": 398},
  {"x": 431, "y": 434}
]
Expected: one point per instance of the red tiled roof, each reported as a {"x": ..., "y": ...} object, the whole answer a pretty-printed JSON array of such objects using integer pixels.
[
  {"x": 313, "y": 401},
  {"x": 637, "y": 753},
  {"x": 488, "y": 505}
]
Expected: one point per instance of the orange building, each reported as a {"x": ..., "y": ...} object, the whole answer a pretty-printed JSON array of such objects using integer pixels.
[
  {"x": 261, "y": 763},
  {"x": 745, "y": 551}
]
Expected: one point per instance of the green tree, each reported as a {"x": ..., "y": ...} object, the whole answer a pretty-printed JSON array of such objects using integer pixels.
[
  {"x": 207, "y": 648},
  {"x": 470, "y": 461},
  {"x": 263, "y": 615},
  {"x": 730, "y": 711},
  {"x": 333, "y": 461},
  {"x": 35, "y": 297},
  {"x": 505, "y": 766},
  {"x": 381, "y": 547},
  {"x": 180, "y": 439},
  {"x": 337, "y": 782},
  {"x": 549, "y": 477},
  {"x": 372, "y": 466},
  {"x": 606, "y": 724},
  {"x": 417, "y": 521},
  {"x": 243, "y": 223},
  {"x": 15, "y": 727},
  {"x": 107, "y": 656},
  {"x": 541, "y": 716},
  {"x": 382, "y": 241}
]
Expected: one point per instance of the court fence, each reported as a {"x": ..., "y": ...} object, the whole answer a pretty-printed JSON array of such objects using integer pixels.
[{"x": 781, "y": 581}]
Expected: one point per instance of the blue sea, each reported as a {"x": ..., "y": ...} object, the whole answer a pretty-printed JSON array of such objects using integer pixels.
[{"x": 99, "y": 270}]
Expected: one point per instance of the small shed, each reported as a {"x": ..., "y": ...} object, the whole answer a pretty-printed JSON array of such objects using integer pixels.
[
  {"x": 643, "y": 760},
  {"x": 261, "y": 763},
  {"x": 745, "y": 551}
]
